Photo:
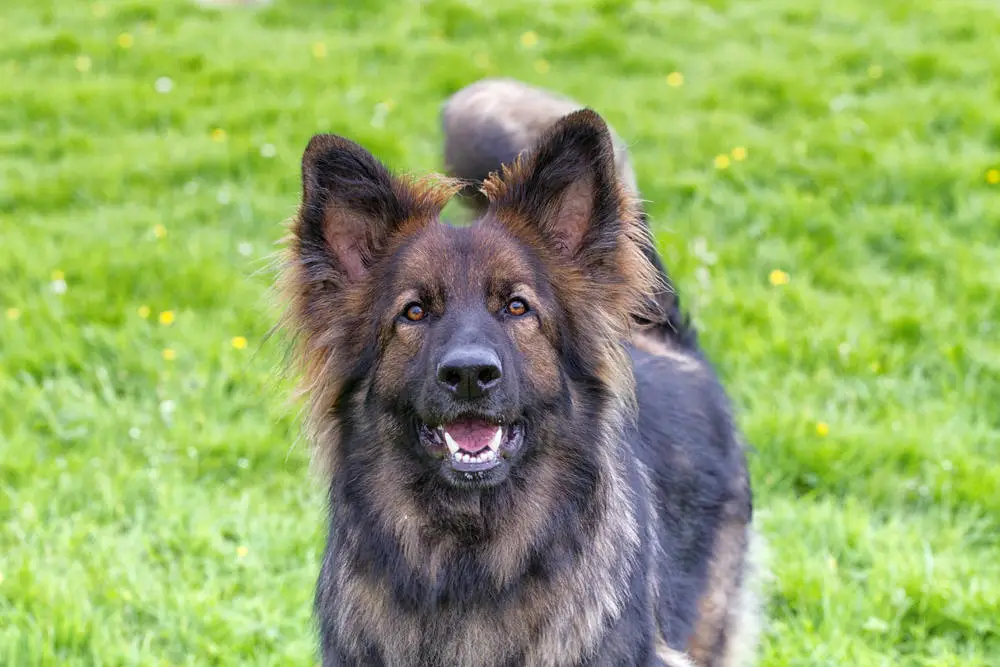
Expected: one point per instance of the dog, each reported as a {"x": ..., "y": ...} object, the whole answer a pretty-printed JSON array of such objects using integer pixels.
[{"x": 529, "y": 459}]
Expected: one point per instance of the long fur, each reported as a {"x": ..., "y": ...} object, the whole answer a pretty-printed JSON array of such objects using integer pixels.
[{"x": 620, "y": 536}]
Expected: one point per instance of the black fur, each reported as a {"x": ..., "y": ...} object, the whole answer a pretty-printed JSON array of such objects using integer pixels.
[
  {"x": 415, "y": 548},
  {"x": 683, "y": 435}
]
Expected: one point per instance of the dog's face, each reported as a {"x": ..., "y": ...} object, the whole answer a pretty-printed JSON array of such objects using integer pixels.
[
  {"x": 458, "y": 348},
  {"x": 470, "y": 349}
]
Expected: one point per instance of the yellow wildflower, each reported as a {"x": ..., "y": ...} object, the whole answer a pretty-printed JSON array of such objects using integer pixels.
[
  {"x": 675, "y": 79},
  {"x": 13, "y": 314},
  {"x": 822, "y": 429},
  {"x": 83, "y": 63},
  {"x": 143, "y": 311},
  {"x": 241, "y": 552},
  {"x": 159, "y": 231},
  {"x": 993, "y": 176},
  {"x": 739, "y": 153},
  {"x": 319, "y": 50},
  {"x": 125, "y": 40},
  {"x": 218, "y": 135},
  {"x": 167, "y": 318},
  {"x": 778, "y": 277},
  {"x": 169, "y": 354},
  {"x": 239, "y": 342},
  {"x": 529, "y": 39},
  {"x": 721, "y": 161}
]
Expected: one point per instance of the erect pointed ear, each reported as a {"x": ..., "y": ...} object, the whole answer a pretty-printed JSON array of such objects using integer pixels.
[
  {"x": 567, "y": 186},
  {"x": 351, "y": 205},
  {"x": 566, "y": 197}
]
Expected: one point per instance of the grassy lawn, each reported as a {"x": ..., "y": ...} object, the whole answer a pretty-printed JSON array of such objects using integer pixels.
[{"x": 822, "y": 180}]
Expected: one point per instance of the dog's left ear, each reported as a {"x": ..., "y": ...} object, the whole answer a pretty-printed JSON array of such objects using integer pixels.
[
  {"x": 566, "y": 189},
  {"x": 565, "y": 197}
]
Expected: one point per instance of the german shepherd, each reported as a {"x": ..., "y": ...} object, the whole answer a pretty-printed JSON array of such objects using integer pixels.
[{"x": 530, "y": 460}]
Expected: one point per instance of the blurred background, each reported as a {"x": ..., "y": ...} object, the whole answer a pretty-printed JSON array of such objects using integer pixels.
[{"x": 824, "y": 183}]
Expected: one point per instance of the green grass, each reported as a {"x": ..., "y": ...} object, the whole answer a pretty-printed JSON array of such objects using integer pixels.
[{"x": 158, "y": 512}]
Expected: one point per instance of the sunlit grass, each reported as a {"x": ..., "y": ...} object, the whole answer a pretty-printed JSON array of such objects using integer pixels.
[{"x": 824, "y": 179}]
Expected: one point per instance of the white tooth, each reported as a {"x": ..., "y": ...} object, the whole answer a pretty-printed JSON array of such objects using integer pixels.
[
  {"x": 497, "y": 437},
  {"x": 450, "y": 441}
]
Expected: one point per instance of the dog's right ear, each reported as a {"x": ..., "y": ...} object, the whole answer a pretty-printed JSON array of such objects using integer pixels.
[{"x": 351, "y": 206}]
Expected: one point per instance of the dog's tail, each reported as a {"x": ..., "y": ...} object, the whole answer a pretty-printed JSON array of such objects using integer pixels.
[{"x": 489, "y": 123}]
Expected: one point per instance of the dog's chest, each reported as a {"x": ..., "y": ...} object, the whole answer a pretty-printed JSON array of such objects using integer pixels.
[{"x": 551, "y": 625}]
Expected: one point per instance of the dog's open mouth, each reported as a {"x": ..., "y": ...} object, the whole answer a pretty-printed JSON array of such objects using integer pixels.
[{"x": 472, "y": 444}]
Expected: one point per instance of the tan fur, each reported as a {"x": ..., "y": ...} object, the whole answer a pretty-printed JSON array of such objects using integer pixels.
[
  {"x": 575, "y": 209},
  {"x": 541, "y": 358},
  {"x": 654, "y": 345},
  {"x": 727, "y": 628},
  {"x": 745, "y": 613},
  {"x": 672, "y": 657},
  {"x": 539, "y": 619},
  {"x": 722, "y": 592}
]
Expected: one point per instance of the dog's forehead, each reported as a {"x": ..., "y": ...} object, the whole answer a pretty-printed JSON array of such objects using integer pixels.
[{"x": 465, "y": 259}]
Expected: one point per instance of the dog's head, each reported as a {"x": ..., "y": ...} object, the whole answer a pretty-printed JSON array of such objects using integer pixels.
[{"x": 465, "y": 347}]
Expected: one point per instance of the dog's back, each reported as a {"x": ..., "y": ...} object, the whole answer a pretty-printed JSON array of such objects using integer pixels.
[{"x": 684, "y": 435}]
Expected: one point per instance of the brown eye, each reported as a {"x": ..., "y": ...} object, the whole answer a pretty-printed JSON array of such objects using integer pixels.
[
  {"x": 517, "y": 307},
  {"x": 415, "y": 312}
]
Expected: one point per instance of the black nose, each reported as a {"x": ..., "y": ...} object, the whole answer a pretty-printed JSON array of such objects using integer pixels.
[{"x": 469, "y": 371}]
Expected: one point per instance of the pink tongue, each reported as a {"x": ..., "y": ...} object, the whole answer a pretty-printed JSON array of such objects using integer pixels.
[{"x": 472, "y": 435}]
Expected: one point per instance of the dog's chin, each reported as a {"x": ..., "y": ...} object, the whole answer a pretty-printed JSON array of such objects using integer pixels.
[{"x": 473, "y": 452}]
